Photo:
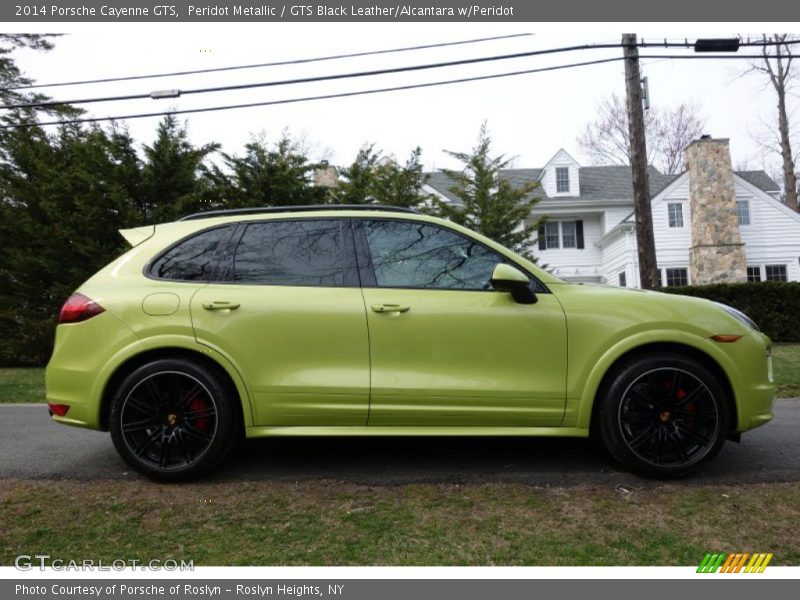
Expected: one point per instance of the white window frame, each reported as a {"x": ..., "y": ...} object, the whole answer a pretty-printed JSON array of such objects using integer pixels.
[
  {"x": 548, "y": 235},
  {"x": 665, "y": 280},
  {"x": 746, "y": 213},
  {"x": 679, "y": 222},
  {"x": 766, "y": 273},
  {"x": 568, "y": 182},
  {"x": 758, "y": 270},
  {"x": 574, "y": 235}
]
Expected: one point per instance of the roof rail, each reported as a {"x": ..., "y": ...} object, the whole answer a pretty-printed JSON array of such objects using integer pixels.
[{"x": 281, "y": 209}]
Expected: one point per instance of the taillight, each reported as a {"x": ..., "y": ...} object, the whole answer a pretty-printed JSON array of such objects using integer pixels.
[{"x": 79, "y": 308}]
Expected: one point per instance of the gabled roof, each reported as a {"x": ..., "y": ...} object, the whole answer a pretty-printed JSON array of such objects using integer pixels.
[
  {"x": 759, "y": 179},
  {"x": 596, "y": 183},
  {"x": 610, "y": 182}
]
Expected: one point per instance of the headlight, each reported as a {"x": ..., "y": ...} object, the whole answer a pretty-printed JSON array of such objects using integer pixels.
[{"x": 739, "y": 315}]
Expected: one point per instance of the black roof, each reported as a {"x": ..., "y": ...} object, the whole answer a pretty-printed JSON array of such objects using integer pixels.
[{"x": 281, "y": 209}]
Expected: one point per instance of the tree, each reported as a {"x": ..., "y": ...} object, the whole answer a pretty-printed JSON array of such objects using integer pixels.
[
  {"x": 277, "y": 175},
  {"x": 58, "y": 230},
  {"x": 172, "y": 182},
  {"x": 373, "y": 178},
  {"x": 776, "y": 65},
  {"x": 490, "y": 204},
  {"x": 606, "y": 140}
]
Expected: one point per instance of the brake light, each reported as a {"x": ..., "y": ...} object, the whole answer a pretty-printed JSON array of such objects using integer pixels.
[{"x": 79, "y": 308}]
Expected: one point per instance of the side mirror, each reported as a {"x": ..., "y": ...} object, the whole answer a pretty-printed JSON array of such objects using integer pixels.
[{"x": 506, "y": 278}]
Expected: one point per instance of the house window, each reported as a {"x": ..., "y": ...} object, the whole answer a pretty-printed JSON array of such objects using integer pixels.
[
  {"x": 568, "y": 234},
  {"x": 753, "y": 273},
  {"x": 675, "y": 214},
  {"x": 743, "y": 212},
  {"x": 551, "y": 234},
  {"x": 562, "y": 180},
  {"x": 677, "y": 277},
  {"x": 623, "y": 279},
  {"x": 776, "y": 272}
]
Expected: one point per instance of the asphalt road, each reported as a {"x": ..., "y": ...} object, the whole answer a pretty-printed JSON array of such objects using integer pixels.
[{"x": 33, "y": 447}]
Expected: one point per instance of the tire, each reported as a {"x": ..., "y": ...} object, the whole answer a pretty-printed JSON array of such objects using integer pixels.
[
  {"x": 663, "y": 415},
  {"x": 174, "y": 419}
]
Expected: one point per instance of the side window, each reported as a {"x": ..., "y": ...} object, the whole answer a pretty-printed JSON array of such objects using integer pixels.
[
  {"x": 193, "y": 259},
  {"x": 409, "y": 254},
  {"x": 301, "y": 252}
]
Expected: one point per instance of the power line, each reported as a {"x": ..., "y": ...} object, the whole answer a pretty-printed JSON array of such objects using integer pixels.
[
  {"x": 310, "y": 98},
  {"x": 297, "y": 61},
  {"x": 361, "y": 92},
  {"x": 246, "y": 86}
]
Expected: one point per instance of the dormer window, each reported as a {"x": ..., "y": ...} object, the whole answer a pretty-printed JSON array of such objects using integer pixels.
[{"x": 562, "y": 180}]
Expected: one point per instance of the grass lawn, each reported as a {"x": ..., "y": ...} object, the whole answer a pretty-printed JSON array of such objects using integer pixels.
[
  {"x": 335, "y": 523},
  {"x": 27, "y": 385},
  {"x": 21, "y": 385}
]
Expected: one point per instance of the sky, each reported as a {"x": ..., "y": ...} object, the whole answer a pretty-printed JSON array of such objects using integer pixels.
[{"x": 529, "y": 117}]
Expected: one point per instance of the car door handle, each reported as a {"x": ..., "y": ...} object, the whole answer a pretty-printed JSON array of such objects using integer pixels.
[
  {"x": 390, "y": 308},
  {"x": 220, "y": 305}
]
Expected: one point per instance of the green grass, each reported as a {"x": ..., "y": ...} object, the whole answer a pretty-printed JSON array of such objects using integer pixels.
[
  {"x": 786, "y": 362},
  {"x": 21, "y": 385},
  {"x": 27, "y": 385},
  {"x": 336, "y": 523}
]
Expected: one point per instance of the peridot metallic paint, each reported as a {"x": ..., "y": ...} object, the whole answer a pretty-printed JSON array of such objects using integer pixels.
[{"x": 388, "y": 361}]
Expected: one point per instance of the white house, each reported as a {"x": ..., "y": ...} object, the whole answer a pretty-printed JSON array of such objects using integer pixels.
[{"x": 710, "y": 223}]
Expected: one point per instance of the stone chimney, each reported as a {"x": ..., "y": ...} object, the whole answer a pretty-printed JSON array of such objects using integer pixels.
[
  {"x": 326, "y": 176},
  {"x": 717, "y": 252}
]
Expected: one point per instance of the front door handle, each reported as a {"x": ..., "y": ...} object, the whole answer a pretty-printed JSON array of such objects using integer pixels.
[
  {"x": 390, "y": 308},
  {"x": 220, "y": 305}
]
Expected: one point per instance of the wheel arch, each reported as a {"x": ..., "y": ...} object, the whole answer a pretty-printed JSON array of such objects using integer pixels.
[
  {"x": 588, "y": 417},
  {"x": 133, "y": 362}
]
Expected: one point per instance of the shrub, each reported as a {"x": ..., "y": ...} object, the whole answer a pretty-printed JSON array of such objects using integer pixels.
[{"x": 773, "y": 305}]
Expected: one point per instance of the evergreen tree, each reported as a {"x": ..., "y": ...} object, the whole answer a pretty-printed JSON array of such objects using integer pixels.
[
  {"x": 277, "y": 175},
  {"x": 172, "y": 182},
  {"x": 490, "y": 204},
  {"x": 377, "y": 179}
]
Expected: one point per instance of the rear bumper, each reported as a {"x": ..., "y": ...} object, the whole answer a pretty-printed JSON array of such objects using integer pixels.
[{"x": 80, "y": 353}]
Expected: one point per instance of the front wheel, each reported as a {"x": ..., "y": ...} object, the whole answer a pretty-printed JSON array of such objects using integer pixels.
[
  {"x": 173, "y": 419},
  {"x": 663, "y": 415}
]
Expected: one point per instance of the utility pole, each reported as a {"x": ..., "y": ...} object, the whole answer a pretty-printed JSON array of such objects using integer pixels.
[{"x": 645, "y": 241}]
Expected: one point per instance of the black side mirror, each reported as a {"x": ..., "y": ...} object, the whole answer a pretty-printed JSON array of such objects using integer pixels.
[{"x": 506, "y": 278}]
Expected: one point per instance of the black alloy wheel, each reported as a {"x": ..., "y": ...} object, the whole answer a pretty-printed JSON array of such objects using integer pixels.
[
  {"x": 663, "y": 415},
  {"x": 173, "y": 419}
]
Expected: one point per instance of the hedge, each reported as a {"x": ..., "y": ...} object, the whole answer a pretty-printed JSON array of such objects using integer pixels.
[{"x": 773, "y": 305}]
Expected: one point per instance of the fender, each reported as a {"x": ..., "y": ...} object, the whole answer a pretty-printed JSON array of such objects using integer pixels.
[
  {"x": 162, "y": 343},
  {"x": 579, "y": 410}
]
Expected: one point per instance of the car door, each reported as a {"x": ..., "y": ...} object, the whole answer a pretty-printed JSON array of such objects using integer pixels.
[
  {"x": 446, "y": 349},
  {"x": 290, "y": 315}
]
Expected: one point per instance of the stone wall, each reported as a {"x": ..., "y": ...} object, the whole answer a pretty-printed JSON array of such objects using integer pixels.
[{"x": 717, "y": 252}]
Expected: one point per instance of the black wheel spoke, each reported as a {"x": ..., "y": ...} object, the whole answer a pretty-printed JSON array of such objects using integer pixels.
[
  {"x": 642, "y": 437},
  {"x": 140, "y": 425},
  {"x": 155, "y": 393},
  {"x": 166, "y": 448},
  {"x": 200, "y": 413},
  {"x": 187, "y": 453},
  {"x": 192, "y": 431},
  {"x": 190, "y": 395},
  {"x": 686, "y": 432},
  {"x": 677, "y": 445},
  {"x": 150, "y": 441}
]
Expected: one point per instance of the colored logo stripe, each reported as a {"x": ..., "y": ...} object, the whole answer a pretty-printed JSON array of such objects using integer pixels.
[{"x": 734, "y": 563}]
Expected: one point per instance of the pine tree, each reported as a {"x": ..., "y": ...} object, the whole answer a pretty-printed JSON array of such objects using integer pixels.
[{"x": 490, "y": 204}]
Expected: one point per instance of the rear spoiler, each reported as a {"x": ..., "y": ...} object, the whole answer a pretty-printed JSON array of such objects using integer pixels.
[{"x": 137, "y": 235}]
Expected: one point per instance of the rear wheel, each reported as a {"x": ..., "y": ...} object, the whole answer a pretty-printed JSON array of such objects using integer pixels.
[
  {"x": 173, "y": 419},
  {"x": 663, "y": 415}
]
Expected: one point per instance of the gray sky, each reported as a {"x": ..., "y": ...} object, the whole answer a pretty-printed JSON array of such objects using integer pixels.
[{"x": 530, "y": 116}]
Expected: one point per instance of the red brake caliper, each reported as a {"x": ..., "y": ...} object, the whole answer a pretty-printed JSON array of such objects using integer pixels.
[
  {"x": 196, "y": 403},
  {"x": 689, "y": 407}
]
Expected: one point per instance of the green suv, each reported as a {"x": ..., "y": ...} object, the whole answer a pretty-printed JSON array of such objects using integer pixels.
[{"x": 379, "y": 321}]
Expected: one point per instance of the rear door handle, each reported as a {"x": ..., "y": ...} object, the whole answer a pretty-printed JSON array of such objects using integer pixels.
[
  {"x": 220, "y": 305},
  {"x": 390, "y": 308}
]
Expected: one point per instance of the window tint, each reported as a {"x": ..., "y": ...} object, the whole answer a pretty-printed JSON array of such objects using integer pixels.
[
  {"x": 417, "y": 255},
  {"x": 193, "y": 259},
  {"x": 302, "y": 252}
]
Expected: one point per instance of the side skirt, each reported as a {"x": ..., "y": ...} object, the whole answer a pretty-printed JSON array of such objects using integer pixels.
[{"x": 257, "y": 432}]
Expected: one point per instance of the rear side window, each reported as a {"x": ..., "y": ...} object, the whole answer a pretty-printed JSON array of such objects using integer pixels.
[
  {"x": 193, "y": 259},
  {"x": 303, "y": 253}
]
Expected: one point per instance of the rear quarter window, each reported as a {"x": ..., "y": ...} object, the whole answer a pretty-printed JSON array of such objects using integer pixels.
[{"x": 192, "y": 259}]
